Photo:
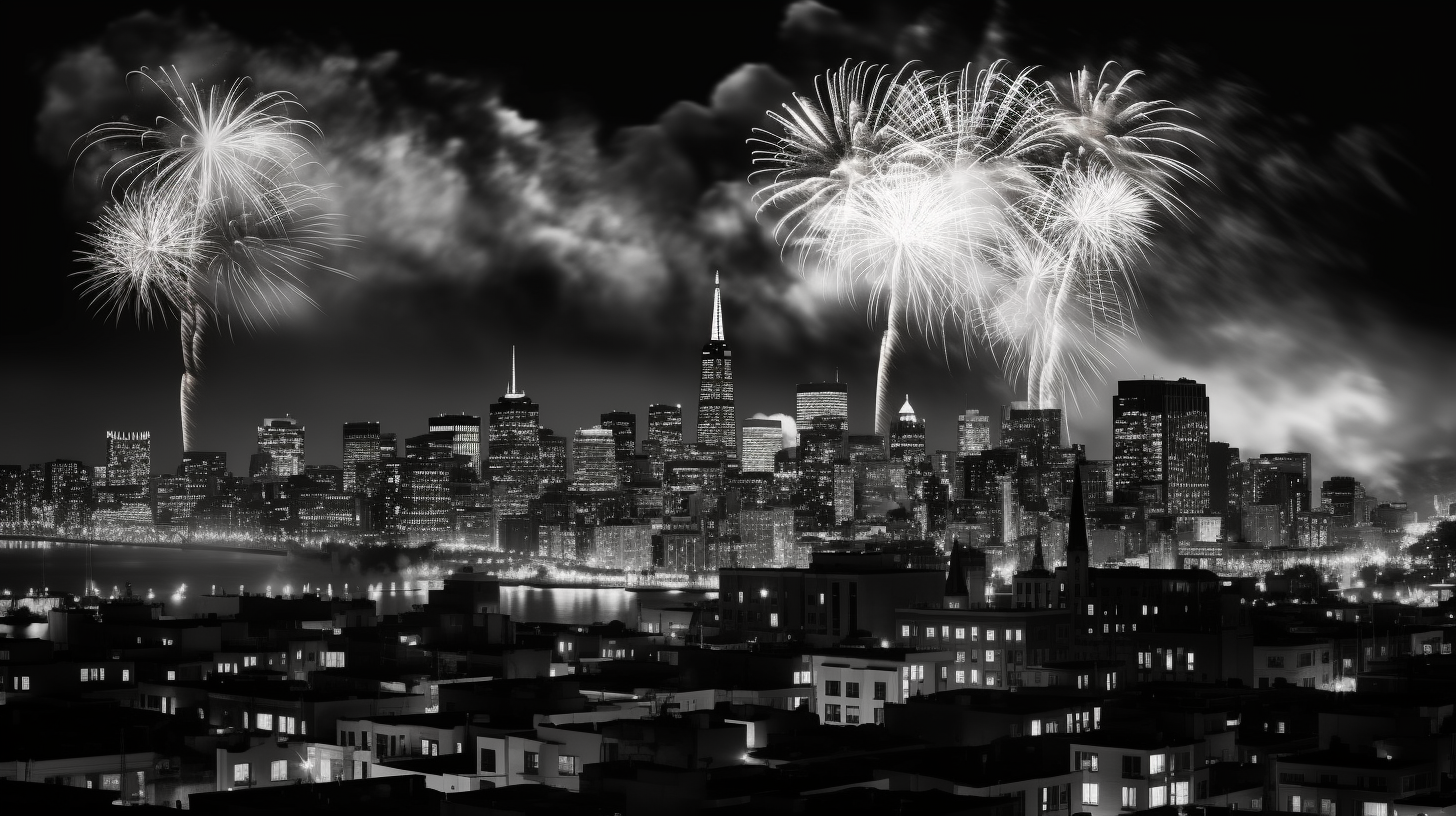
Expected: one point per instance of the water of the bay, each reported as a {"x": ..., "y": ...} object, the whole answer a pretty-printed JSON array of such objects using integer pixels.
[{"x": 177, "y": 577}]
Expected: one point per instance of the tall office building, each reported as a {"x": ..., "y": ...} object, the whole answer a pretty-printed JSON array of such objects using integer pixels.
[
  {"x": 717, "y": 419},
  {"x": 623, "y": 425},
  {"x": 664, "y": 432},
  {"x": 128, "y": 458},
  {"x": 1341, "y": 496},
  {"x": 1301, "y": 466},
  {"x": 907, "y": 437},
  {"x": 515, "y": 447},
  {"x": 824, "y": 399},
  {"x": 203, "y": 471},
  {"x": 361, "y": 451},
  {"x": 762, "y": 440},
  {"x": 282, "y": 442},
  {"x": 425, "y": 488},
  {"x": 594, "y": 460},
  {"x": 1160, "y": 443},
  {"x": 973, "y": 432},
  {"x": 553, "y": 459},
  {"x": 1034, "y": 432},
  {"x": 464, "y": 441},
  {"x": 388, "y": 445}
]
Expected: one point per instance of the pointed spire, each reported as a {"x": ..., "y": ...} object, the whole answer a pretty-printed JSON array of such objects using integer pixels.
[
  {"x": 511, "y": 390},
  {"x": 717, "y": 310},
  {"x": 1077, "y": 524}
]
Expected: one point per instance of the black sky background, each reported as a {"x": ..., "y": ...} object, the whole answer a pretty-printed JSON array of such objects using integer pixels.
[{"x": 1308, "y": 294}]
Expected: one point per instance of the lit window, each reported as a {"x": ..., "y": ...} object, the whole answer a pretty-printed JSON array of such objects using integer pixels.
[
  {"x": 960, "y": 633},
  {"x": 1090, "y": 608},
  {"x": 990, "y": 635},
  {"x": 990, "y": 655},
  {"x": 960, "y": 657},
  {"x": 1018, "y": 635},
  {"x": 1180, "y": 793},
  {"x": 1157, "y": 763},
  {"x": 1036, "y": 728},
  {"x": 1089, "y": 793},
  {"x": 1372, "y": 809},
  {"x": 975, "y": 633},
  {"x": 1157, "y": 796},
  {"x": 763, "y": 593},
  {"x": 905, "y": 630},
  {"x": 171, "y": 675},
  {"x": 960, "y": 677},
  {"x": 245, "y": 720},
  {"x": 1190, "y": 661},
  {"x": 1168, "y": 660},
  {"x": 566, "y": 766},
  {"x": 125, "y": 675},
  {"x": 240, "y": 774},
  {"x": 945, "y": 632},
  {"x": 278, "y": 770},
  {"x": 265, "y": 722},
  {"x": 1129, "y": 797},
  {"x": 773, "y": 619}
]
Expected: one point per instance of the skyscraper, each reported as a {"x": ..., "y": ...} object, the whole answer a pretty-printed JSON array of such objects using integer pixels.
[
  {"x": 1341, "y": 496},
  {"x": 361, "y": 451},
  {"x": 282, "y": 441},
  {"x": 717, "y": 419},
  {"x": 1301, "y": 466},
  {"x": 823, "y": 399},
  {"x": 515, "y": 447},
  {"x": 664, "y": 432},
  {"x": 203, "y": 471},
  {"x": 553, "y": 460},
  {"x": 465, "y": 439},
  {"x": 128, "y": 458},
  {"x": 594, "y": 460},
  {"x": 973, "y": 432},
  {"x": 907, "y": 437},
  {"x": 429, "y": 459},
  {"x": 1034, "y": 432},
  {"x": 1160, "y": 443},
  {"x": 762, "y": 440},
  {"x": 623, "y": 425}
]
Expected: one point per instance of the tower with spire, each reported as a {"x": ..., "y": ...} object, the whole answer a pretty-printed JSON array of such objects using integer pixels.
[
  {"x": 717, "y": 417},
  {"x": 907, "y": 438},
  {"x": 514, "y": 448}
]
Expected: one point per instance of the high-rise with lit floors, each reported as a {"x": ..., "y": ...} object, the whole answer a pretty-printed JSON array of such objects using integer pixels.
[
  {"x": 465, "y": 442},
  {"x": 361, "y": 451},
  {"x": 280, "y": 445},
  {"x": 824, "y": 399},
  {"x": 623, "y": 425},
  {"x": 594, "y": 460},
  {"x": 1035, "y": 433},
  {"x": 515, "y": 448},
  {"x": 1160, "y": 444},
  {"x": 128, "y": 458},
  {"x": 717, "y": 419},
  {"x": 762, "y": 440},
  {"x": 664, "y": 431},
  {"x": 907, "y": 437},
  {"x": 973, "y": 432}
]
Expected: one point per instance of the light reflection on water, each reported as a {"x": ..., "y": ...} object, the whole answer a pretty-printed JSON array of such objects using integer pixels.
[{"x": 177, "y": 577}]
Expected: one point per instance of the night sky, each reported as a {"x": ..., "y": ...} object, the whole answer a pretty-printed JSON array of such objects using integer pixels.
[{"x": 567, "y": 178}]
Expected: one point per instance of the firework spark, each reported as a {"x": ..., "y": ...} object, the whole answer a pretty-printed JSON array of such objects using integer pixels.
[
  {"x": 225, "y": 174},
  {"x": 987, "y": 199}
]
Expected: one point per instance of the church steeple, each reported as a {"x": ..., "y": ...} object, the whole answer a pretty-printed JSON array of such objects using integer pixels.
[{"x": 717, "y": 309}]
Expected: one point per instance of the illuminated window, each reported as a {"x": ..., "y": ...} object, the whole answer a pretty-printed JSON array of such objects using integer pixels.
[
  {"x": 990, "y": 635},
  {"x": 975, "y": 633},
  {"x": 1180, "y": 793},
  {"x": 1018, "y": 635},
  {"x": 960, "y": 676},
  {"x": 1129, "y": 797},
  {"x": 240, "y": 773},
  {"x": 1190, "y": 661},
  {"x": 851, "y": 715},
  {"x": 1157, "y": 763},
  {"x": 1157, "y": 796},
  {"x": 960, "y": 633},
  {"x": 245, "y": 720},
  {"x": 1372, "y": 809},
  {"x": 960, "y": 657},
  {"x": 773, "y": 619},
  {"x": 278, "y": 770},
  {"x": 265, "y": 722},
  {"x": 1089, "y": 793},
  {"x": 566, "y": 765},
  {"x": 905, "y": 630}
]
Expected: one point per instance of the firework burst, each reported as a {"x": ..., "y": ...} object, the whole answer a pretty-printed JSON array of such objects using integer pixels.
[
  {"x": 986, "y": 199},
  {"x": 225, "y": 174}
]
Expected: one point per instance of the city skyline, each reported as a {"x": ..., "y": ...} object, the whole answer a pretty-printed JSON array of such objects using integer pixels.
[{"x": 426, "y": 329}]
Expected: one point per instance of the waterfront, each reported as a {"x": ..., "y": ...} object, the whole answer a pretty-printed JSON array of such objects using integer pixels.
[{"x": 177, "y": 577}]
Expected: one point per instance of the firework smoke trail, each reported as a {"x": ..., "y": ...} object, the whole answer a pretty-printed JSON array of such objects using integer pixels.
[
  {"x": 231, "y": 164},
  {"x": 1053, "y": 202}
]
